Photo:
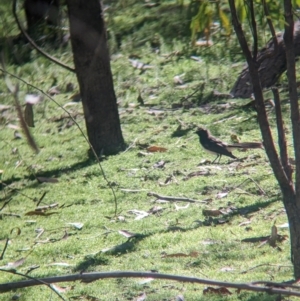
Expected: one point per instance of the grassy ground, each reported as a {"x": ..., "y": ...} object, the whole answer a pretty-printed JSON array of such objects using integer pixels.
[{"x": 246, "y": 190}]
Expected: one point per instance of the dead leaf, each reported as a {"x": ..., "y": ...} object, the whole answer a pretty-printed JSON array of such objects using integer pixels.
[
  {"x": 153, "y": 149},
  {"x": 139, "y": 65},
  {"x": 139, "y": 214},
  {"x": 221, "y": 195},
  {"x": 143, "y": 154},
  {"x": 219, "y": 290},
  {"x": 76, "y": 225},
  {"x": 13, "y": 265},
  {"x": 46, "y": 180},
  {"x": 178, "y": 79},
  {"x": 127, "y": 233},
  {"x": 211, "y": 212},
  {"x": 60, "y": 264},
  {"x": 159, "y": 164},
  {"x": 155, "y": 209},
  {"x": 179, "y": 298},
  {"x": 60, "y": 289},
  {"x": 181, "y": 207},
  {"x": 46, "y": 207},
  {"x": 53, "y": 91},
  {"x": 245, "y": 223},
  {"x": 204, "y": 43}
]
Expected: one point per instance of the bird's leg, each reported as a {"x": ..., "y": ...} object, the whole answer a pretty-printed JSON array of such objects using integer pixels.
[{"x": 218, "y": 156}]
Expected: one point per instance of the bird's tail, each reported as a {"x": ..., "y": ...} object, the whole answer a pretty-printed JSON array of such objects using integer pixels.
[{"x": 246, "y": 145}]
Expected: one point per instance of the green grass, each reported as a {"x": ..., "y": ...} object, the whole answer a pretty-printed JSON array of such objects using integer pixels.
[{"x": 84, "y": 196}]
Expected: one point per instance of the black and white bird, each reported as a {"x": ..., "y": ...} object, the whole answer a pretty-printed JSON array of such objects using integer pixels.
[{"x": 219, "y": 148}]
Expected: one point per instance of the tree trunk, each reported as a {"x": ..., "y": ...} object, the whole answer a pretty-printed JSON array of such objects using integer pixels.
[
  {"x": 293, "y": 212},
  {"x": 92, "y": 65},
  {"x": 290, "y": 192}
]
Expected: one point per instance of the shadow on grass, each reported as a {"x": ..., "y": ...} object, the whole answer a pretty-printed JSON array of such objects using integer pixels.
[
  {"x": 219, "y": 221},
  {"x": 49, "y": 174},
  {"x": 101, "y": 258}
]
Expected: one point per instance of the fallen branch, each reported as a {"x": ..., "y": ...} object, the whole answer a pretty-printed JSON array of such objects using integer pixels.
[
  {"x": 37, "y": 282},
  {"x": 89, "y": 277},
  {"x": 174, "y": 198}
]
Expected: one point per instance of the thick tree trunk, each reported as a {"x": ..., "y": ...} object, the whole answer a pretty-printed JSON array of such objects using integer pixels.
[{"x": 92, "y": 64}]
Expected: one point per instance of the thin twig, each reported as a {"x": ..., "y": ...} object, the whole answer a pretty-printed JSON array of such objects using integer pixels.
[
  {"x": 260, "y": 189},
  {"x": 5, "y": 203},
  {"x": 174, "y": 198},
  {"x": 89, "y": 277},
  {"x": 281, "y": 135},
  {"x": 32, "y": 43},
  {"x": 79, "y": 128},
  {"x": 264, "y": 264},
  {"x": 271, "y": 27},
  {"x": 254, "y": 30},
  {"x": 5, "y": 246}
]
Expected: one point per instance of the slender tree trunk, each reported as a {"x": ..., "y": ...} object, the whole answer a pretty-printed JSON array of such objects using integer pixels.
[
  {"x": 290, "y": 192},
  {"x": 290, "y": 201},
  {"x": 92, "y": 64}
]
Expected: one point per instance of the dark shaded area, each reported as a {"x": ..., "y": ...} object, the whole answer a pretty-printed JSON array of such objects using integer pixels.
[
  {"x": 90, "y": 261},
  {"x": 50, "y": 173},
  {"x": 40, "y": 13},
  {"x": 272, "y": 65}
]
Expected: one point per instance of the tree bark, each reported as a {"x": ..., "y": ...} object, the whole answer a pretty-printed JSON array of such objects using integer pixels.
[
  {"x": 290, "y": 192},
  {"x": 290, "y": 201},
  {"x": 92, "y": 65}
]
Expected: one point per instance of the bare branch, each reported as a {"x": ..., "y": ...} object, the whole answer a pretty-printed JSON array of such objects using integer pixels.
[
  {"x": 254, "y": 30},
  {"x": 174, "y": 198},
  {"x": 38, "y": 281},
  {"x": 271, "y": 27},
  {"x": 89, "y": 277},
  {"x": 291, "y": 74},
  {"x": 281, "y": 135}
]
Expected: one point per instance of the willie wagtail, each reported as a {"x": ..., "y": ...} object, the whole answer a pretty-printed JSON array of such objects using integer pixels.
[{"x": 216, "y": 146}]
